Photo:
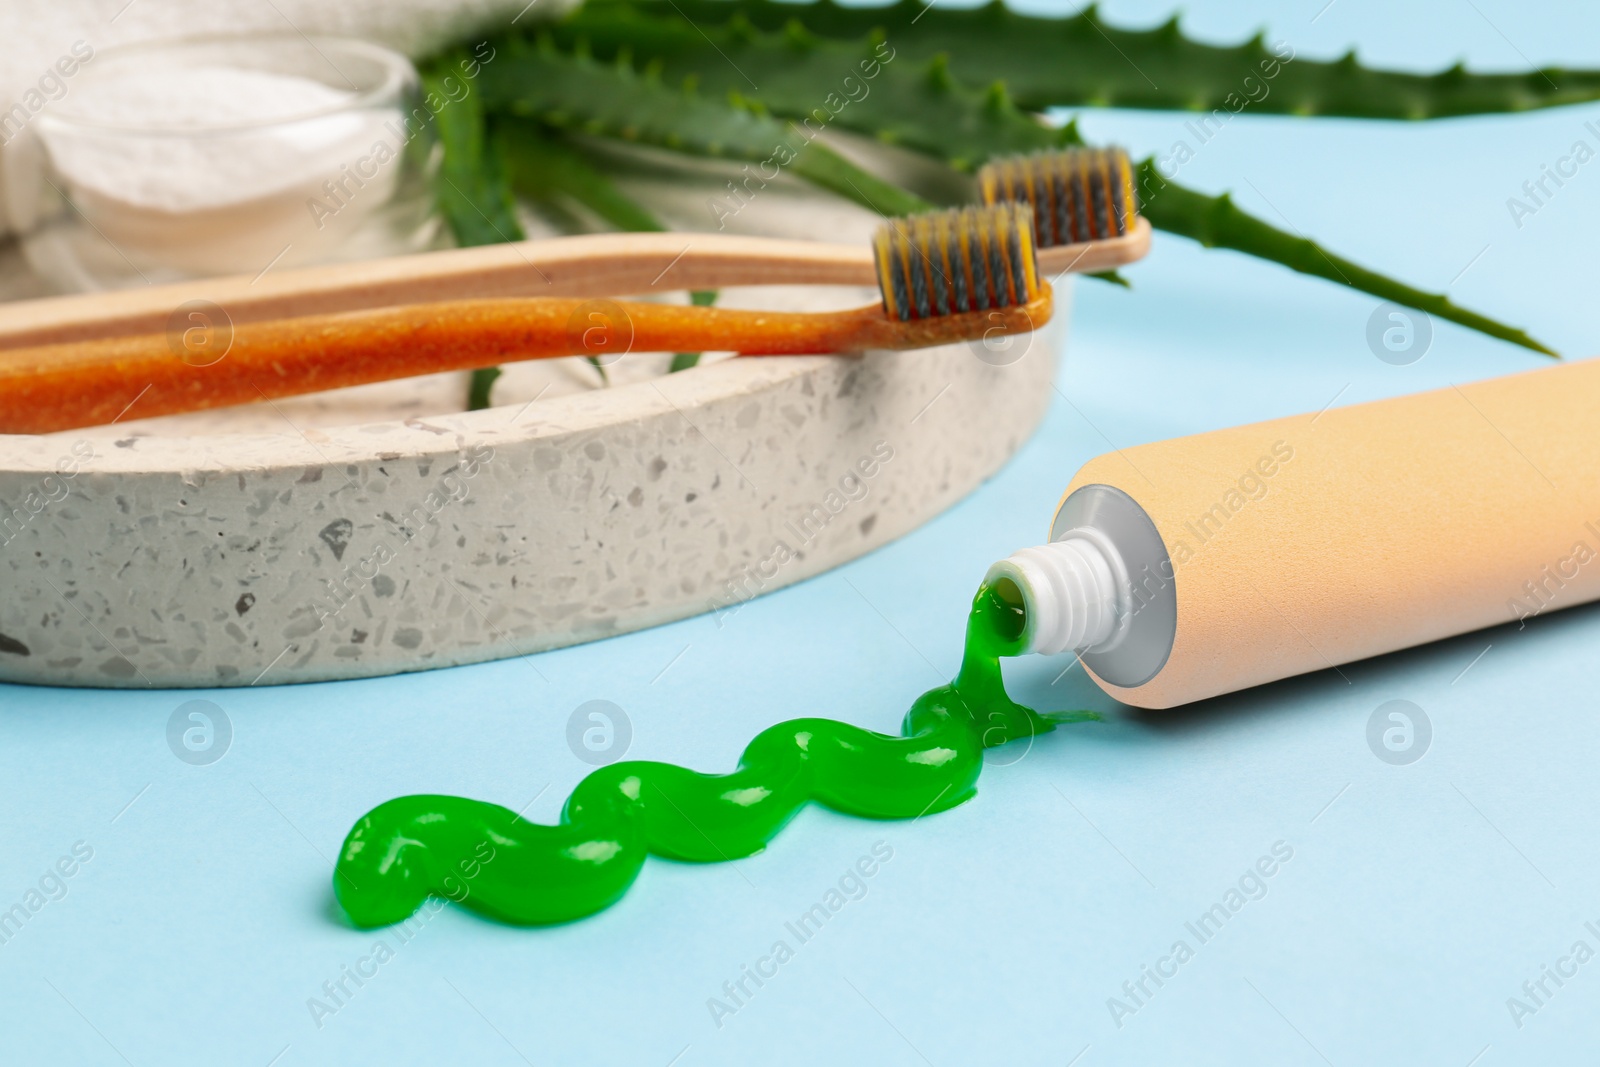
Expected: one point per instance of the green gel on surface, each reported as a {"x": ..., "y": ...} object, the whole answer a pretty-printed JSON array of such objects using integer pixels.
[{"x": 493, "y": 861}]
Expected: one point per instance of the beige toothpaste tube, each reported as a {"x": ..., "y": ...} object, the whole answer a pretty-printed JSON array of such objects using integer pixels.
[{"x": 1183, "y": 569}]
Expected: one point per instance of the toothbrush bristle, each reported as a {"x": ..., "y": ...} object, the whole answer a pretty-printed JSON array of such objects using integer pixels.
[
  {"x": 948, "y": 262},
  {"x": 1078, "y": 194}
]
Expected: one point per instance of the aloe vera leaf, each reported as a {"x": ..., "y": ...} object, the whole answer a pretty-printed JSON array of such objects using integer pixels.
[
  {"x": 474, "y": 194},
  {"x": 479, "y": 388},
  {"x": 867, "y": 85},
  {"x": 930, "y": 110},
  {"x": 683, "y": 361},
  {"x": 1216, "y": 222},
  {"x": 574, "y": 92},
  {"x": 1081, "y": 60}
]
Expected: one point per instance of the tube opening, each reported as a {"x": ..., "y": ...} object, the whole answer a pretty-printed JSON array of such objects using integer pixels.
[
  {"x": 1062, "y": 596},
  {"x": 1012, "y": 620}
]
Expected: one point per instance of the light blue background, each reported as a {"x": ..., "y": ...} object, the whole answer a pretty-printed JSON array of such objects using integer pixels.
[{"x": 1418, "y": 899}]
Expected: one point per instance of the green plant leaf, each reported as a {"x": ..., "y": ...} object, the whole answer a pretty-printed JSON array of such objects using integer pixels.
[
  {"x": 574, "y": 92},
  {"x": 474, "y": 193},
  {"x": 1216, "y": 222},
  {"x": 866, "y": 85},
  {"x": 482, "y": 383},
  {"x": 932, "y": 111},
  {"x": 1080, "y": 60}
]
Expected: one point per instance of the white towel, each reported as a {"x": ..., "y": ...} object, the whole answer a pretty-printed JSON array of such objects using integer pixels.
[{"x": 33, "y": 33}]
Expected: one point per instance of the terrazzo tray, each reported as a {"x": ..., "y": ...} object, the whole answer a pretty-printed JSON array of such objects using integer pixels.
[{"x": 381, "y": 529}]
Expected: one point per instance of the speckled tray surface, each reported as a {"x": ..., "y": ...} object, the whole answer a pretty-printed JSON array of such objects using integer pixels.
[{"x": 381, "y": 529}]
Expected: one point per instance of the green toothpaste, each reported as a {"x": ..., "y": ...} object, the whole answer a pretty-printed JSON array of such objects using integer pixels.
[{"x": 491, "y": 860}]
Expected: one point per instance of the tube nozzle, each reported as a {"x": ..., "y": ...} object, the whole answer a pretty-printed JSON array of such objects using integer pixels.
[{"x": 1074, "y": 592}]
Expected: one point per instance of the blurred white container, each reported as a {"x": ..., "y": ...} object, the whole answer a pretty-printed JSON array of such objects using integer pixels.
[{"x": 223, "y": 156}]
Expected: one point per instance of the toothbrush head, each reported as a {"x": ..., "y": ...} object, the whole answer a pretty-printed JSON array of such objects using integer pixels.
[
  {"x": 1077, "y": 194},
  {"x": 971, "y": 259}
]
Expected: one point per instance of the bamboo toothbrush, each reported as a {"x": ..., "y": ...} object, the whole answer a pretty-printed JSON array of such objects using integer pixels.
[
  {"x": 945, "y": 276},
  {"x": 589, "y": 266}
]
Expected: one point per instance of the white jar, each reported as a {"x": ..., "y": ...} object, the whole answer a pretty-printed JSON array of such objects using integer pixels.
[{"x": 218, "y": 156}]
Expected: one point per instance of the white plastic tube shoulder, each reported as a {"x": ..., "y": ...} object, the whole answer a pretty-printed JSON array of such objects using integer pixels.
[{"x": 1075, "y": 591}]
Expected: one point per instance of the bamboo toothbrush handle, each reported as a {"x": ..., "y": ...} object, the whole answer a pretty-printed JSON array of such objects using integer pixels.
[
  {"x": 590, "y": 265},
  {"x": 593, "y": 265},
  {"x": 1088, "y": 257},
  {"x": 58, "y": 387}
]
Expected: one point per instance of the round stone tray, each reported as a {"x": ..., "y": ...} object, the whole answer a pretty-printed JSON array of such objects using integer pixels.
[{"x": 167, "y": 553}]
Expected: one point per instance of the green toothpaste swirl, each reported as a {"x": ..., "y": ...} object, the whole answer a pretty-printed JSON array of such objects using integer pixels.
[{"x": 491, "y": 860}]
